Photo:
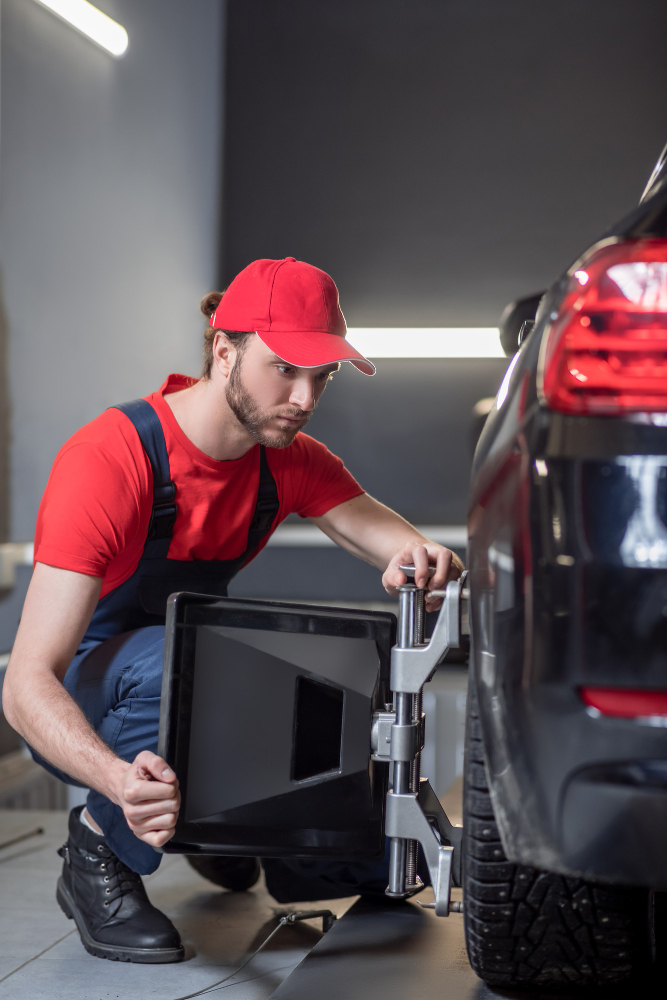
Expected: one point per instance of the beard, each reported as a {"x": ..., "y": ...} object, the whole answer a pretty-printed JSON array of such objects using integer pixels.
[{"x": 250, "y": 415}]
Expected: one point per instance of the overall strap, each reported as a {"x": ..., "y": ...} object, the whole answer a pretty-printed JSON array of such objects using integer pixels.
[
  {"x": 163, "y": 515},
  {"x": 266, "y": 507}
]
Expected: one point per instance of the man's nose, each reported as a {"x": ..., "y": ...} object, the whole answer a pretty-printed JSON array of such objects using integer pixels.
[{"x": 303, "y": 394}]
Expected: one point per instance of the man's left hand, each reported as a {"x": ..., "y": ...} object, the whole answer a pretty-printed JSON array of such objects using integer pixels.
[{"x": 447, "y": 566}]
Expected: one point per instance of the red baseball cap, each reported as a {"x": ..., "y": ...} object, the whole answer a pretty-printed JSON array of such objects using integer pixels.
[{"x": 293, "y": 308}]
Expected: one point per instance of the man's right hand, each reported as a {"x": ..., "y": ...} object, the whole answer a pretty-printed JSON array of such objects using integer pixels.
[
  {"x": 56, "y": 613},
  {"x": 149, "y": 796}
]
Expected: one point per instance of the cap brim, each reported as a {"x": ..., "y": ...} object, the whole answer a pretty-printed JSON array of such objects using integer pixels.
[{"x": 311, "y": 350}]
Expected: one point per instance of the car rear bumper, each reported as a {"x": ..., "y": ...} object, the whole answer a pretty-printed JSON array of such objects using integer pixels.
[
  {"x": 576, "y": 791},
  {"x": 602, "y": 800},
  {"x": 613, "y": 821}
]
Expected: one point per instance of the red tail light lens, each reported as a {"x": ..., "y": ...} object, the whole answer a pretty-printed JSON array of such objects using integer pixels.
[
  {"x": 626, "y": 703},
  {"x": 606, "y": 351}
]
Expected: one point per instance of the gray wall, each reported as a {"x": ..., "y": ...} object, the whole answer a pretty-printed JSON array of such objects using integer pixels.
[
  {"x": 405, "y": 435},
  {"x": 438, "y": 157},
  {"x": 109, "y": 181},
  {"x": 405, "y": 432},
  {"x": 4, "y": 384}
]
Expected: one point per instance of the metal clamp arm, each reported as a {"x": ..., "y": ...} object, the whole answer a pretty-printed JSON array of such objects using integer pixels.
[
  {"x": 390, "y": 741},
  {"x": 413, "y": 817},
  {"x": 412, "y": 667},
  {"x": 413, "y": 813}
]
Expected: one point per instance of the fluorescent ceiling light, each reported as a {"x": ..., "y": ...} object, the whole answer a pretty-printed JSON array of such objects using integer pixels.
[
  {"x": 427, "y": 342},
  {"x": 91, "y": 22}
]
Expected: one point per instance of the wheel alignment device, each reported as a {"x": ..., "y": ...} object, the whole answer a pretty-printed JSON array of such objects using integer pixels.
[{"x": 414, "y": 815}]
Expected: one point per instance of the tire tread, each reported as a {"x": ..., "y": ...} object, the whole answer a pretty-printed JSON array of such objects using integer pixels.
[{"x": 532, "y": 929}]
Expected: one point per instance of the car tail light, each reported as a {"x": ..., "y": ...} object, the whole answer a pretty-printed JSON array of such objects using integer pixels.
[
  {"x": 606, "y": 351},
  {"x": 626, "y": 703}
]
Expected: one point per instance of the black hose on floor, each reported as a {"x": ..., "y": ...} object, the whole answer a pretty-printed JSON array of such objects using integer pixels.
[{"x": 328, "y": 919}]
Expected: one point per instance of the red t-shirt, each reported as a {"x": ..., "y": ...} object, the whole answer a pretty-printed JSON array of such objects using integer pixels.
[{"x": 95, "y": 511}]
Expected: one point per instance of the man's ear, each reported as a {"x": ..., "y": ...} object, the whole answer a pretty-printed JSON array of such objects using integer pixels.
[{"x": 224, "y": 354}]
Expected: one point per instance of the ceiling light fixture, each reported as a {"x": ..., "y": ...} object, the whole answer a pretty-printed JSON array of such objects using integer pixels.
[
  {"x": 427, "y": 342},
  {"x": 90, "y": 21}
]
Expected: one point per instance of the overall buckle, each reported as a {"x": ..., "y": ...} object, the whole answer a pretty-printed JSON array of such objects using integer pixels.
[
  {"x": 265, "y": 512},
  {"x": 163, "y": 514}
]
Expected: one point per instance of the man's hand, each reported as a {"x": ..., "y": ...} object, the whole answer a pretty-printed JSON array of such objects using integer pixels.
[
  {"x": 149, "y": 796},
  {"x": 371, "y": 531},
  {"x": 447, "y": 565}
]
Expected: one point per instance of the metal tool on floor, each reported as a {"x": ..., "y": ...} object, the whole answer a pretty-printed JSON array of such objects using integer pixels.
[
  {"x": 285, "y": 917},
  {"x": 414, "y": 815},
  {"x": 35, "y": 832}
]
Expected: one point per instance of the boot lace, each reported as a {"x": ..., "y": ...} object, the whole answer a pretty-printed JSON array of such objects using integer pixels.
[{"x": 120, "y": 880}]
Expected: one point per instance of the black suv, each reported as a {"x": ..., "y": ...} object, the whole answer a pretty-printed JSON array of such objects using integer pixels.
[{"x": 565, "y": 789}]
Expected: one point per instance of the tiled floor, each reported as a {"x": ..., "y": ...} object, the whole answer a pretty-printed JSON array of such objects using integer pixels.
[
  {"x": 42, "y": 958},
  {"x": 41, "y": 955}
]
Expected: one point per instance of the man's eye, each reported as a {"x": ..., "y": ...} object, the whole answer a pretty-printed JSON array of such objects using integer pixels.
[{"x": 285, "y": 369}]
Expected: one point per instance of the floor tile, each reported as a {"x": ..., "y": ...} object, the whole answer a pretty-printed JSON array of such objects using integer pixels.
[{"x": 42, "y": 955}]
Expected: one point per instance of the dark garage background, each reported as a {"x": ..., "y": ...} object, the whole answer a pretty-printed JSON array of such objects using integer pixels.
[{"x": 439, "y": 158}]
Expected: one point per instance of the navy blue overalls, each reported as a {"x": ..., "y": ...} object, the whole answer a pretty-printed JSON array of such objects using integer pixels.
[
  {"x": 116, "y": 675},
  {"x": 141, "y": 601}
]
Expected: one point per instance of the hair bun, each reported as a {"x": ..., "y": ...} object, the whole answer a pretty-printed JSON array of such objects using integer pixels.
[{"x": 210, "y": 303}]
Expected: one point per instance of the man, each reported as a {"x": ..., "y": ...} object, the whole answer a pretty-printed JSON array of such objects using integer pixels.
[{"x": 177, "y": 491}]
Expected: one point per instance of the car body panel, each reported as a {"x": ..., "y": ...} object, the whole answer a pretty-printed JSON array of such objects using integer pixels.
[{"x": 568, "y": 582}]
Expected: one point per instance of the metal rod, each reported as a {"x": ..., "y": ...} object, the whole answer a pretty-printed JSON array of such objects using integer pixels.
[
  {"x": 420, "y": 612},
  {"x": 398, "y": 846},
  {"x": 21, "y": 837},
  {"x": 404, "y": 711},
  {"x": 415, "y": 777},
  {"x": 397, "y": 854},
  {"x": 412, "y": 854},
  {"x": 406, "y": 616},
  {"x": 410, "y": 614},
  {"x": 411, "y": 860}
]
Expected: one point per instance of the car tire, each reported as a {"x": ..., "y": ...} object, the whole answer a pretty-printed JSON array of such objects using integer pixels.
[
  {"x": 531, "y": 929},
  {"x": 238, "y": 874}
]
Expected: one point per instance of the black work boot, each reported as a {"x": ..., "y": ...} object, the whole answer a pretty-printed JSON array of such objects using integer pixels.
[
  {"x": 108, "y": 901},
  {"x": 237, "y": 874}
]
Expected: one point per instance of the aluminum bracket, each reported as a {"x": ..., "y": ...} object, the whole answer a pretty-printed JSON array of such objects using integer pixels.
[
  {"x": 381, "y": 735},
  {"x": 406, "y": 819},
  {"x": 432, "y": 809},
  {"x": 411, "y": 668}
]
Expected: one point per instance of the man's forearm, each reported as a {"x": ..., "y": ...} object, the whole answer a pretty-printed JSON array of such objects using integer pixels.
[
  {"x": 56, "y": 613},
  {"x": 54, "y": 725},
  {"x": 382, "y": 534}
]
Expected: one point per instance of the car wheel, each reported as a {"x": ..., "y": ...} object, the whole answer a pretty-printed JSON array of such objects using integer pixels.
[
  {"x": 535, "y": 929},
  {"x": 235, "y": 873}
]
